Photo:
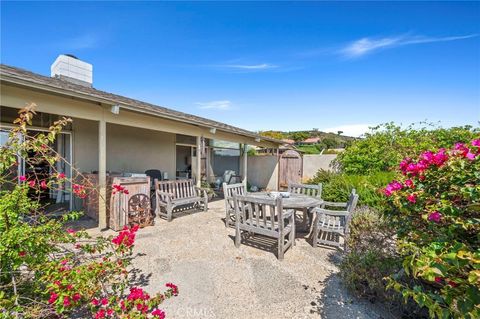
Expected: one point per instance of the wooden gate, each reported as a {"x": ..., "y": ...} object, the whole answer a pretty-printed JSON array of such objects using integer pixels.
[{"x": 290, "y": 170}]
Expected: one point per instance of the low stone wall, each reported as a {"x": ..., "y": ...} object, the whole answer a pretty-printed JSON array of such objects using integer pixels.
[
  {"x": 312, "y": 163},
  {"x": 263, "y": 171}
]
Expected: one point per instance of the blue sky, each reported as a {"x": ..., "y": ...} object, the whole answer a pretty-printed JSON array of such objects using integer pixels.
[{"x": 285, "y": 66}]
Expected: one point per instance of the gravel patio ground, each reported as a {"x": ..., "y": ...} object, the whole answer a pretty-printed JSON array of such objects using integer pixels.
[{"x": 218, "y": 280}]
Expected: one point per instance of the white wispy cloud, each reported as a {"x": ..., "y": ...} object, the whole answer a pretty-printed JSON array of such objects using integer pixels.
[
  {"x": 262, "y": 66},
  {"x": 216, "y": 105},
  {"x": 369, "y": 45},
  {"x": 84, "y": 41},
  {"x": 355, "y": 130}
]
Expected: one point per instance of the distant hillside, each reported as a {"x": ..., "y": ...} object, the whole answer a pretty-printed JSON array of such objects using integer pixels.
[{"x": 305, "y": 140}]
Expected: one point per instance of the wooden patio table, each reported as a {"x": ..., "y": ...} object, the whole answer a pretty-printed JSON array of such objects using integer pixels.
[{"x": 297, "y": 202}]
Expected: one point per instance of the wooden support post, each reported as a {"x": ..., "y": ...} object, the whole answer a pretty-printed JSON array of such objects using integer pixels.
[
  {"x": 198, "y": 172},
  {"x": 102, "y": 174},
  {"x": 245, "y": 164}
]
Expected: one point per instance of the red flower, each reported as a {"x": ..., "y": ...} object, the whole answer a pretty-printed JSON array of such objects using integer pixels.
[
  {"x": 69, "y": 287},
  {"x": 126, "y": 236},
  {"x": 76, "y": 297},
  {"x": 31, "y": 183},
  {"x": 53, "y": 297},
  {"x": 452, "y": 283},
  {"x": 173, "y": 287},
  {"x": 66, "y": 301},
  {"x": 158, "y": 313},
  {"x": 109, "y": 311},
  {"x": 104, "y": 301},
  {"x": 100, "y": 314},
  {"x": 61, "y": 176},
  {"x": 412, "y": 198},
  {"x": 438, "y": 280},
  {"x": 22, "y": 178},
  {"x": 409, "y": 183},
  {"x": 95, "y": 302},
  {"x": 43, "y": 184},
  {"x": 22, "y": 253},
  {"x": 70, "y": 231}
]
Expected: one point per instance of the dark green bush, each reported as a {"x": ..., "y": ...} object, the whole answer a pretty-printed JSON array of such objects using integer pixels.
[{"x": 337, "y": 187}]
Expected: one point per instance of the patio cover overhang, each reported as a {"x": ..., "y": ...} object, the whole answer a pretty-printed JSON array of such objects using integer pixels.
[{"x": 55, "y": 96}]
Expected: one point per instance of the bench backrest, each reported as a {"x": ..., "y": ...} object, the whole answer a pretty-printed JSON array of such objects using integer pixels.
[
  {"x": 259, "y": 215},
  {"x": 309, "y": 190},
  {"x": 184, "y": 188}
]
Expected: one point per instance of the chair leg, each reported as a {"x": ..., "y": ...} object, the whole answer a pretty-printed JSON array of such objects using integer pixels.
[
  {"x": 205, "y": 204},
  {"x": 238, "y": 235},
  {"x": 280, "y": 247},
  {"x": 169, "y": 213},
  {"x": 227, "y": 218}
]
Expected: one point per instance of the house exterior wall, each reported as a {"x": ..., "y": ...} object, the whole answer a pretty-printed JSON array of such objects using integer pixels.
[
  {"x": 134, "y": 150},
  {"x": 262, "y": 171},
  {"x": 85, "y": 145}
]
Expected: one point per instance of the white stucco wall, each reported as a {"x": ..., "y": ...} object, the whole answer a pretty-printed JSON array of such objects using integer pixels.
[
  {"x": 263, "y": 171},
  {"x": 312, "y": 163}
]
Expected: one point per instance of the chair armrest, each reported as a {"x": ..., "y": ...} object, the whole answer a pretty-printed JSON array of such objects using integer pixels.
[
  {"x": 201, "y": 191},
  {"x": 164, "y": 196},
  {"x": 288, "y": 212},
  {"x": 334, "y": 204},
  {"x": 328, "y": 212}
]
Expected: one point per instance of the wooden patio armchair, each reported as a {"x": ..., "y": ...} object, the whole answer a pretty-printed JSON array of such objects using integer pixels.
[
  {"x": 330, "y": 225},
  {"x": 229, "y": 190},
  {"x": 264, "y": 217},
  {"x": 309, "y": 190},
  {"x": 178, "y": 195}
]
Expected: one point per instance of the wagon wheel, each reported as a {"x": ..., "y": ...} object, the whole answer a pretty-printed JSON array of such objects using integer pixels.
[{"x": 139, "y": 210}]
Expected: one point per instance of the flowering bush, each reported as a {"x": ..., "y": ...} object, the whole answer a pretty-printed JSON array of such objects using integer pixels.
[
  {"x": 435, "y": 208},
  {"x": 48, "y": 270}
]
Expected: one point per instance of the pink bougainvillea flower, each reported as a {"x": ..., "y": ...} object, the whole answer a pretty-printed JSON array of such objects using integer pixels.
[
  {"x": 470, "y": 156},
  {"x": 31, "y": 183},
  {"x": 119, "y": 189},
  {"x": 158, "y": 313},
  {"x": 435, "y": 216},
  {"x": 452, "y": 283},
  {"x": 61, "y": 176},
  {"x": 461, "y": 149},
  {"x": 110, "y": 312},
  {"x": 43, "y": 184},
  {"x": 53, "y": 297},
  {"x": 69, "y": 287},
  {"x": 22, "y": 178},
  {"x": 392, "y": 187},
  {"x": 428, "y": 156},
  {"x": 22, "y": 253},
  {"x": 104, "y": 301},
  {"x": 440, "y": 157},
  {"x": 70, "y": 231},
  {"x": 126, "y": 236},
  {"x": 409, "y": 183},
  {"x": 95, "y": 302},
  {"x": 438, "y": 280},
  {"x": 412, "y": 198},
  {"x": 476, "y": 143}
]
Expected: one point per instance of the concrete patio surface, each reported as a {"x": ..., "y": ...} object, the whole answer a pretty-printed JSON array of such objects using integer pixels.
[{"x": 218, "y": 280}]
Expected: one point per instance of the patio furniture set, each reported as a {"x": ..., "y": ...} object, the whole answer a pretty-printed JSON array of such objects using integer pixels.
[
  {"x": 273, "y": 215},
  {"x": 270, "y": 214}
]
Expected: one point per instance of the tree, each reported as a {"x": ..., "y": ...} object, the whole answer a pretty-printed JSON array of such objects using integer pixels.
[{"x": 299, "y": 136}]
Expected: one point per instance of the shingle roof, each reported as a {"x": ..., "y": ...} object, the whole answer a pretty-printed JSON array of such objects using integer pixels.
[{"x": 28, "y": 78}]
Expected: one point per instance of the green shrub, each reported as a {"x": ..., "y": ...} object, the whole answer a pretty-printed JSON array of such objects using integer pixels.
[
  {"x": 371, "y": 255},
  {"x": 385, "y": 145},
  {"x": 337, "y": 187},
  {"x": 435, "y": 208}
]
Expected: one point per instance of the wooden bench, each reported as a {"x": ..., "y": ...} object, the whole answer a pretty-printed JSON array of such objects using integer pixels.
[{"x": 178, "y": 195}]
